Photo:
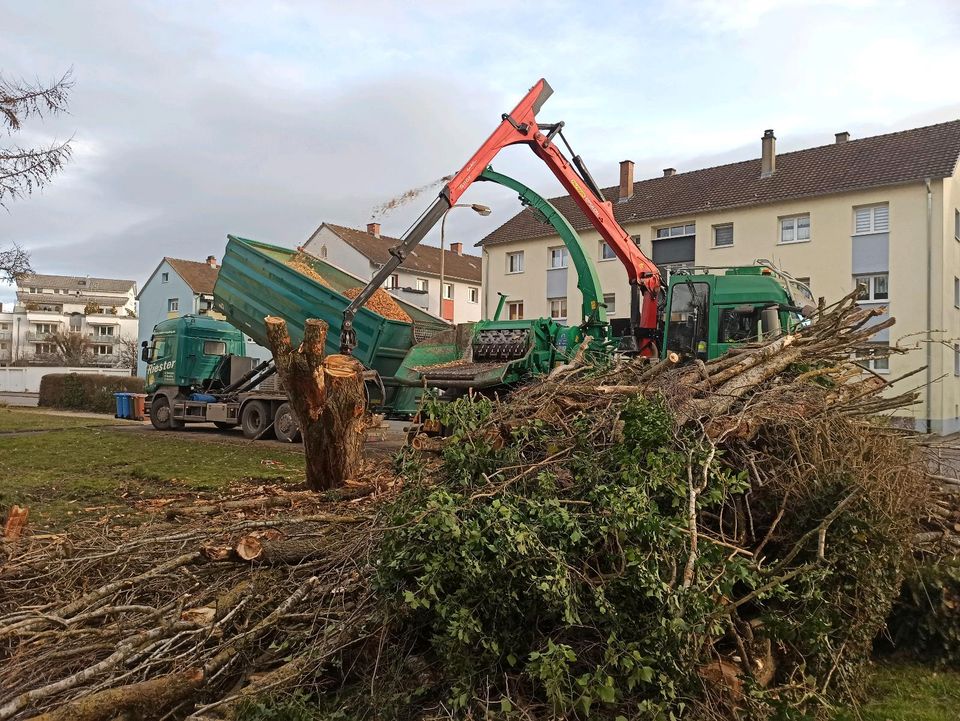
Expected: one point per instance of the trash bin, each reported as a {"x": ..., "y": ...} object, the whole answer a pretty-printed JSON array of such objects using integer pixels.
[
  {"x": 123, "y": 405},
  {"x": 138, "y": 403}
]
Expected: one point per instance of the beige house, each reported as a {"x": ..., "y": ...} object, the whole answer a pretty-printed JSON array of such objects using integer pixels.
[
  {"x": 417, "y": 280},
  {"x": 883, "y": 211}
]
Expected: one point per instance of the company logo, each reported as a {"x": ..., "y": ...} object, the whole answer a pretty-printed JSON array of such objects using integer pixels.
[{"x": 160, "y": 367}]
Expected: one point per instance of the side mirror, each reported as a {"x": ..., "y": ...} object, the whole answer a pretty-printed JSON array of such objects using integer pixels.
[{"x": 146, "y": 352}]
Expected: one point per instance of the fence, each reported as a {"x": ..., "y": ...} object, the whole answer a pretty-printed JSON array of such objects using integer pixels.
[{"x": 27, "y": 380}]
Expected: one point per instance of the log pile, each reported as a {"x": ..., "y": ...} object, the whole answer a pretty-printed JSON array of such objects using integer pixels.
[{"x": 783, "y": 464}]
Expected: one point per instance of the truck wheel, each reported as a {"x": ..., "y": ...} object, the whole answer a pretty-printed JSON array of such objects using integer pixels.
[
  {"x": 256, "y": 421},
  {"x": 285, "y": 424},
  {"x": 161, "y": 415}
]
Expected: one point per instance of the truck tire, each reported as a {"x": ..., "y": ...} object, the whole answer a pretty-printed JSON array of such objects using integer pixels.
[
  {"x": 256, "y": 421},
  {"x": 285, "y": 424},
  {"x": 161, "y": 415}
]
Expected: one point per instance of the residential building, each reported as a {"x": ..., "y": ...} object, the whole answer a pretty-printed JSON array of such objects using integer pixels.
[
  {"x": 103, "y": 310},
  {"x": 417, "y": 280},
  {"x": 181, "y": 287},
  {"x": 883, "y": 211}
]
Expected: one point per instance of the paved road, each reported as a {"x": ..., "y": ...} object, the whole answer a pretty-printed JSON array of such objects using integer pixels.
[{"x": 19, "y": 399}]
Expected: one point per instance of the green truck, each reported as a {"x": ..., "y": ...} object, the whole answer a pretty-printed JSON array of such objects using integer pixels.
[{"x": 197, "y": 371}]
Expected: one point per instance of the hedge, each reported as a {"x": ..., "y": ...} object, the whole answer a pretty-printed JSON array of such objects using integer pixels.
[
  {"x": 87, "y": 392},
  {"x": 925, "y": 621}
]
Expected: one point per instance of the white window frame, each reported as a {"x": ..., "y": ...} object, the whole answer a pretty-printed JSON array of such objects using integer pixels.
[
  {"x": 423, "y": 284},
  {"x": 517, "y": 254},
  {"x": 553, "y": 253},
  {"x": 610, "y": 300},
  {"x": 561, "y": 308},
  {"x": 99, "y": 349},
  {"x": 872, "y": 225},
  {"x": 869, "y": 280},
  {"x": 722, "y": 226},
  {"x": 511, "y": 305},
  {"x": 794, "y": 221},
  {"x": 393, "y": 282},
  {"x": 878, "y": 365},
  {"x": 956, "y": 292},
  {"x": 956, "y": 359},
  {"x": 473, "y": 294},
  {"x": 448, "y": 291},
  {"x": 102, "y": 331},
  {"x": 675, "y": 231},
  {"x": 164, "y": 277},
  {"x": 173, "y": 305},
  {"x": 604, "y": 248},
  {"x": 956, "y": 223}
]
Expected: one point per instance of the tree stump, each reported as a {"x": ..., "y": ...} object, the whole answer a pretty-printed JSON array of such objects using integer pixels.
[{"x": 328, "y": 397}]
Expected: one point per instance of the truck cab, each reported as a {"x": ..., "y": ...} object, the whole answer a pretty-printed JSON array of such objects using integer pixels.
[
  {"x": 186, "y": 352},
  {"x": 709, "y": 310}
]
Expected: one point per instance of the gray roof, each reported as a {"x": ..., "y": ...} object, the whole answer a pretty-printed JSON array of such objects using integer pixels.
[
  {"x": 75, "y": 299},
  {"x": 76, "y": 282}
]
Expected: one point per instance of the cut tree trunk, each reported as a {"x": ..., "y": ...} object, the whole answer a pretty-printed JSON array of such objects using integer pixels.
[{"x": 326, "y": 392}]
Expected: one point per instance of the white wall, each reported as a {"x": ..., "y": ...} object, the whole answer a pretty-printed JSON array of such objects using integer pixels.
[{"x": 27, "y": 380}]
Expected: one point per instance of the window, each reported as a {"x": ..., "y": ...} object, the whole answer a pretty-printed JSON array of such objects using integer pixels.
[
  {"x": 393, "y": 282},
  {"x": 722, "y": 235},
  {"x": 689, "y": 318},
  {"x": 676, "y": 231},
  {"x": 956, "y": 224},
  {"x": 3, "y": 346},
  {"x": 558, "y": 308},
  {"x": 102, "y": 350},
  {"x": 104, "y": 330},
  {"x": 956, "y": 292},
  {"x": 173, "y": 305},
  {"x": 448, "y": 291},
  {"x": 515, "y": 262},
  {"x": 875, "y": 287},
  {"x": 45, "y": 348},
  {"x": 795, "y": 229},
  {"x": 423, "y": 284},
  {"x": 164, "y": 277},
  {"x": 44, "y": 328},
  {"x": 558, "y": 258},
  {"x": 606, "y": 252},
  {"x": 515, "y": 310},
  {"x": 745, "y": 323},
  {"x": 473, "y": 295},
  {"x": 871, "y": 219},
  {"x": 610, "y": 300},
  {"x": 214, "y": 347},
  {"x": 956, "y": 359},
  {"x": 323, "y": 251}
]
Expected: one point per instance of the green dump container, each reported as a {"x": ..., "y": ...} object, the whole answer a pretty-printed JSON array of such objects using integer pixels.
[{"x": 255, "y": 281}]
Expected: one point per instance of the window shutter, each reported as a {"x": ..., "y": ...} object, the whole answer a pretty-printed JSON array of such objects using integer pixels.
[
  {"x": 723, "y": 235},
  {"x": 862, "y": 220},
  {"x": 881, "y": 218}
]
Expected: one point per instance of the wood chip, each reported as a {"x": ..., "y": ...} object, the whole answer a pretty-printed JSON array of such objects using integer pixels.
[{"x": 383, "y": 303}]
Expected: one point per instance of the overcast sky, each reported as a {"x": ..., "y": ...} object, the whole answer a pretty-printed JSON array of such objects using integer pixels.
[{"x": 192, "y": 120}]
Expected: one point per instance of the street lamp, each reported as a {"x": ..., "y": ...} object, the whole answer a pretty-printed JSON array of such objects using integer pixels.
[{"x": 476, "y": 208}]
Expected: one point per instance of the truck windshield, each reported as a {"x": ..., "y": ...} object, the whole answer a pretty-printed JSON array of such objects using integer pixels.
[
  {"x": 689, "y": 318},
  {"x": 745, "y": 323}
]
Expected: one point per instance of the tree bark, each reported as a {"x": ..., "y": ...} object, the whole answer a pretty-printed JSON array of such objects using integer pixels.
[{"x": 327, "y": 395}]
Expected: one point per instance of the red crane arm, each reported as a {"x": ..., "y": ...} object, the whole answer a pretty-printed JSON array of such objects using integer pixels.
[{"x": 521, "y": 127}]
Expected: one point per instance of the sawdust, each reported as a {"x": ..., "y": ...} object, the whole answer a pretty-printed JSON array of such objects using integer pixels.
[
  {"x": 448, "y": 364},
  {"x": 301, "y": 263},
  {"x": 405, "y": 197},
  {"x": 381, "y": 302}
]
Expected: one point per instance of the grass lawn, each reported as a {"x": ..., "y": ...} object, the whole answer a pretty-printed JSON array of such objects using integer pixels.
[
  {"x": 906, "y": 692},
  {"x": 19, "y": 419},
  {"x": 62, "y": 472}
]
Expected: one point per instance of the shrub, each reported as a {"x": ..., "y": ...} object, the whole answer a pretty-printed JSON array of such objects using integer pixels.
[
  {"x": 87, "y": 392},
  {"x": 925, "y": 621}
]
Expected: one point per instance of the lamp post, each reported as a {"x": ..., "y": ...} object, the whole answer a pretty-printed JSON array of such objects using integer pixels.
[{"x": 476, "y": 208}]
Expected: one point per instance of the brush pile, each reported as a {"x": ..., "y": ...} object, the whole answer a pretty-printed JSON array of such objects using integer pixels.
[{"x": 621, "y": 539}]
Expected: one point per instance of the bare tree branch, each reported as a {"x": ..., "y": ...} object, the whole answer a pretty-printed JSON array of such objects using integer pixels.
[
  {"x": 20, "y": 100},
  {"x": 14, "y": 264}
]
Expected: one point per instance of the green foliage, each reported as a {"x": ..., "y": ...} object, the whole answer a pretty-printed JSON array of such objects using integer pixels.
[
  {"x": 85, "y": 392},
  {"x": 925, "y": 621}
]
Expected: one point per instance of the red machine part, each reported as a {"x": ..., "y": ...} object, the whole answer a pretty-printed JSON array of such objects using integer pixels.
[{"x": 520, "y": 127}]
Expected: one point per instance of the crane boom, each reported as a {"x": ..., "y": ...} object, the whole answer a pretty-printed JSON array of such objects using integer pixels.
[{"x": 520, "y": 127}]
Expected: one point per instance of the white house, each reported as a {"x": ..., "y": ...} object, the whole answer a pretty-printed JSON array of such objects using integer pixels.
[
  {"x": 417, "y": 281},
  {"x": 104, "y": 310},
  {"x": 182, "y": 287}
]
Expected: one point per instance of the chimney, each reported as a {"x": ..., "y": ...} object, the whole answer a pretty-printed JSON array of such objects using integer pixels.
[
  {"x": 768, "y": 159},
  {"x": 212, "y": 261},
  {"x": 626, "y": 180},
  {"x": 842, "y": 137},
  {"x": 667, "y": 172},
  {"x": 374, "y": 229},
  {"x": 456, "y": 248}
]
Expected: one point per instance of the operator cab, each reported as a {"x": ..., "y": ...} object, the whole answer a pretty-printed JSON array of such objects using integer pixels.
[{"x": 191, "y": 352}]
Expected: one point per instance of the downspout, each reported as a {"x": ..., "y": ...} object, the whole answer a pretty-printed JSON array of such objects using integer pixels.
[
  {"x": 485, "y": 261},
  {"x": 929, "y": 354}
]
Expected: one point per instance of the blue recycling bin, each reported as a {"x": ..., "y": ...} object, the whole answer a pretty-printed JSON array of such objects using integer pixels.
[{"x": 123, "y": 405}]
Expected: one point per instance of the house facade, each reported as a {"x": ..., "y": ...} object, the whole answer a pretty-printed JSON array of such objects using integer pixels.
[
  {"x": 102, "y": 310},
  {"x": 882, "y": 211},
  {"x": 180, "y": 287},
  {"x": 417, "y": 280}
]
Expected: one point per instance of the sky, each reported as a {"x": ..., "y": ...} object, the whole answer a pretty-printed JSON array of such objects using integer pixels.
[{"x": 191, "y": 120}]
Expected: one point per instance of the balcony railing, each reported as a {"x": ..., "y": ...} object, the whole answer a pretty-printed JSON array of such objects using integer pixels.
[
  {"x": 103, "y": 339},
  {"x": 34, "y": 336}
]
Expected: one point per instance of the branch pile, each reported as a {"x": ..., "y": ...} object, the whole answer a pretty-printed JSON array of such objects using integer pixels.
[{"x": 630, "y": 539}]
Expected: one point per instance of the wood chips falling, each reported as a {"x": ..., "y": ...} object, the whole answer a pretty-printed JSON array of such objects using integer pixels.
[
  {"x": 301, "y": 263},
  {"x": 381, "y": 302}
]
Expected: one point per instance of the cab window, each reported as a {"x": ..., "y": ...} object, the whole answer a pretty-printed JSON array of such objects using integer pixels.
[
  {"x": 747, "y": 323},
  {"x": 159, "y": 348},
  {"x": 214, "y": 347},
  {"x": 689, "y": 318}
]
